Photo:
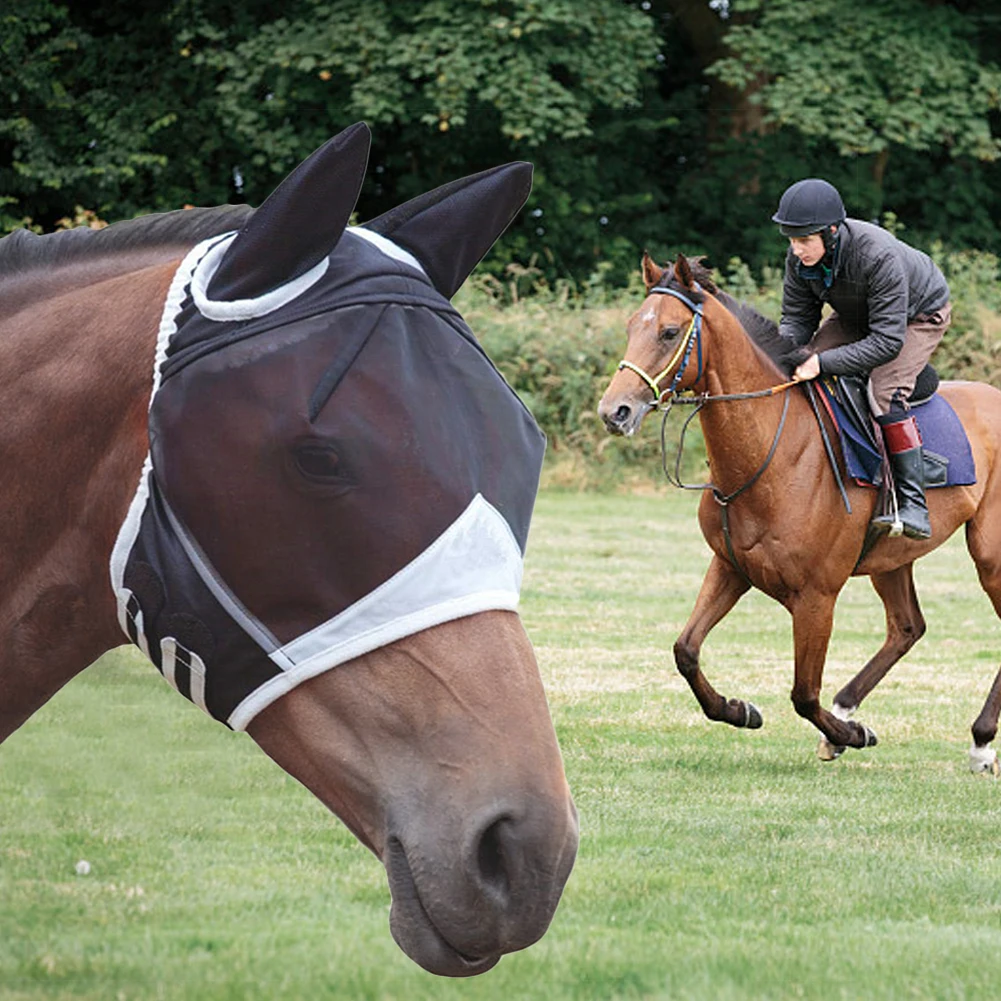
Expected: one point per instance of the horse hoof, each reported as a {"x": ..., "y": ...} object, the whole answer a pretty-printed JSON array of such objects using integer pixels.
[
  {"x": 984, "y": 759},
  {"x": 752, "y": 716},
  {"x": 869, "y": 736},
  {"x": 827, "y": 751}
]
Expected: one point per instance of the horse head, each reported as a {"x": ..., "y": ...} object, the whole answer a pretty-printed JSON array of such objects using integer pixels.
[
  {"x": 664, "y": 344},
  {"x": 326, "y": 548}
]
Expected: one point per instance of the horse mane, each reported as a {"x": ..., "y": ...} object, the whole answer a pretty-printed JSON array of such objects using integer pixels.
[
  {"x": 763, "y": 331},
  {"x": 22, "y": 251}
]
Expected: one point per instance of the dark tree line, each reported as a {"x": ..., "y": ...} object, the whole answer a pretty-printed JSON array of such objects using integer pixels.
[{"x": 666, "y": 124}]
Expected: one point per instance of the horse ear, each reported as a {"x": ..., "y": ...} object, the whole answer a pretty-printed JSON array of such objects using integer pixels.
[
  {"x": 683, "y": 271},
  {"x": 651, "y": 270},
  {"x": 299, "y": 223},
  {"x": 450, "y": 228}
]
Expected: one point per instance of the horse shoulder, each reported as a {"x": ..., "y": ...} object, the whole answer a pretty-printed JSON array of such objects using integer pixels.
[{"x": 75, "y": 378}]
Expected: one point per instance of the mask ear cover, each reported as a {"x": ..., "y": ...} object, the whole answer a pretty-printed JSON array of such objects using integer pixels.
[
  {"x": 450, "y": 228},
  {"x": 299, "y": 223}
]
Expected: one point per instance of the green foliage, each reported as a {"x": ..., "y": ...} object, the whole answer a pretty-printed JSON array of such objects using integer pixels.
[
  {"x": 544, "y": 80},
  {"x": 869, "y": 77},
  {"x": 971, "y": 349},
  {"x": 538, "y": 68},
  {"x": 621, "y": 106},
  {"x": 559, "y": 348},
  {"x": 98, "y": 109}
]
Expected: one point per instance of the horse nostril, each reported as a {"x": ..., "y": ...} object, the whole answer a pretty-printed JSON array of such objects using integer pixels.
[
  {"x": 492, "y": 858},
  {"x": 617, "y": 419}
]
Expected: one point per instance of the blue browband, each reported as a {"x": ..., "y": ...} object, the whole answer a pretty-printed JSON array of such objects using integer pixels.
[
  {"x": 693, "y": 338},
  {"x": 695, "y": 307},
  {"x": 695, "y": 332}
]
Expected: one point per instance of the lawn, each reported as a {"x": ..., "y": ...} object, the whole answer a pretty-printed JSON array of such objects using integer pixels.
[{"x": 714, "y": 863}]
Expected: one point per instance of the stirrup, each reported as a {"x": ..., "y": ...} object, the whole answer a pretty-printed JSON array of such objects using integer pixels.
[{"x": 890, "y": 524}]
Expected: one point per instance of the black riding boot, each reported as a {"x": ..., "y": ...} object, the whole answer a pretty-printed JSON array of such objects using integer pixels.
[{"x": 903, "y": 443}]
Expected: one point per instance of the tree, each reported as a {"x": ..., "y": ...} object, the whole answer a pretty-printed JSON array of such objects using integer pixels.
[
  {"x": 660, "y": 124},
  {"x": 869, "y": 78},
  {"x": 448, "y": 88}
]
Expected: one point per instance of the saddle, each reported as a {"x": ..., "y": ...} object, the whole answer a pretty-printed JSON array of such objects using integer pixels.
[{"x": 946, "y": 449}]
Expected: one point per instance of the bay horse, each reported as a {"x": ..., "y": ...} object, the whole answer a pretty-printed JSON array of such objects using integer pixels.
[
  {"x": 773, "y": 514},
  {"x": 325, "y": 545}
]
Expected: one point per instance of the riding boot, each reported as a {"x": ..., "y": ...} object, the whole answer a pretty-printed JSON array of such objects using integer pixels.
[{"x": 903, "y": 443}]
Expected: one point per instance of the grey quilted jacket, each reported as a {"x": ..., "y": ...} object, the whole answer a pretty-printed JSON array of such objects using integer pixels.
[{"x": 877, "y": 286}]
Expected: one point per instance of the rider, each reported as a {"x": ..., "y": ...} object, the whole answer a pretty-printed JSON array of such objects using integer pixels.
[{"x": 890, "y": 307}]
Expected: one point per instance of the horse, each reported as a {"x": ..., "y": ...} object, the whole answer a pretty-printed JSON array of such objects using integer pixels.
[
  {"x": 773, "y": 514},
  {"x": 311, "y": 491}
]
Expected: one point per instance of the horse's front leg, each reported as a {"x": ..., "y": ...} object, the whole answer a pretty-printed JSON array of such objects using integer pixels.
[
  {"x": 812, "y": 622},
  {"x": 721, "y": 589}
]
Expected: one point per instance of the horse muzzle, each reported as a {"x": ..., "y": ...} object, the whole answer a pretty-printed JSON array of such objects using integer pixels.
[
  {"x": 623, "y": 416},
  {"x": 462, "y": 901}
]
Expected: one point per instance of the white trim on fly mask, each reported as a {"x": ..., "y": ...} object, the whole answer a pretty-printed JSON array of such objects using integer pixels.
[
  {"x": 170, "y": 653},
  {"x": 474, "y": 566},
  {"x": 390, "y": 249},
  {"x": 225, "y": 311},
  {"x": 249, "y": 309},
  {"x": 129, "y": 531}
]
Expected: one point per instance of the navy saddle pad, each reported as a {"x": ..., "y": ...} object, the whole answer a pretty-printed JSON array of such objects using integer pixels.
[{"x": 947, "y": 454}]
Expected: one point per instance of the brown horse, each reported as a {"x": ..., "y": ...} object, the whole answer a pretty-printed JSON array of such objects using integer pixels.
[
  {"x": 774, "y": 494},
  {"x": 436, "y": 747}
]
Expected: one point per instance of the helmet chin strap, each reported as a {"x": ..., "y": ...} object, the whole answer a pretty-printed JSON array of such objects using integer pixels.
[{"x": 829, "y": 234}]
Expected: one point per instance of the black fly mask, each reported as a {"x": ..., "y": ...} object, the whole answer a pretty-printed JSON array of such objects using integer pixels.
[{"x": 334, "y": 462}]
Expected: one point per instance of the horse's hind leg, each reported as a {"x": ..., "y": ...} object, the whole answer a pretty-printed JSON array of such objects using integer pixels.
[
  {"x": 983, "y": 757},
  {"x": 983, "y": 539},
  {"x": 721, "y": 589},
  {"x": 905, "y": 625}
]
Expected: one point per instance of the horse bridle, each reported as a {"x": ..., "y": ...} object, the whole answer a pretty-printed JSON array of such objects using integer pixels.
[{"x": 692, "y": 338}]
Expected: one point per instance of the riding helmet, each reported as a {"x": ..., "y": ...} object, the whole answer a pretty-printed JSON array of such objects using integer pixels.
[{"x": 809, "y": 206}]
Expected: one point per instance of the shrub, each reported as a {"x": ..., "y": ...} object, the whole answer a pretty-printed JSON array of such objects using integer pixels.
[{"x": 559, "y": 348}]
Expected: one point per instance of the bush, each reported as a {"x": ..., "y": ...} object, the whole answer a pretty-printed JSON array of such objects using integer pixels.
[
  {"x": 971, "y": 348},
  {"x": 559, "y": 348}
]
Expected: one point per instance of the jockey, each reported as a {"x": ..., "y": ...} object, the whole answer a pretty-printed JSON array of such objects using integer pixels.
[{"x": 890, "y": 307}]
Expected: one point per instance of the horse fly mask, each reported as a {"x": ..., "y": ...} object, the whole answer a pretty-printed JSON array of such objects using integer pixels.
[{"x": 334, "y": 462}]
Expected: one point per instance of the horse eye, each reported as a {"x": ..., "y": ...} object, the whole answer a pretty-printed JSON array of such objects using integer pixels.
[
  {"x": 669, "y": 333},
  {"x": 318, "y": 462}
]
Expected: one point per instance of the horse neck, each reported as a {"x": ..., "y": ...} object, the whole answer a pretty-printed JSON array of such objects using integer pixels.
[
  {"x": 75, "y": 380},
  {"x": 740, "y": 433}
]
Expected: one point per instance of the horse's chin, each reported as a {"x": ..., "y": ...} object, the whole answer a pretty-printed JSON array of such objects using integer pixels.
[
  {"x": 424, "y": 944},
  {"x": 415, "y": 933}
]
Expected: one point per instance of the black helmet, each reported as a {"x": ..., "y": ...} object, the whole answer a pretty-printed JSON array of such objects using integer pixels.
[{"x": 809, "y": 206}]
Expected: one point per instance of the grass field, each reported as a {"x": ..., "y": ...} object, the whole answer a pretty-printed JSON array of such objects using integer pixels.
[{"x": 714, "y": 864}]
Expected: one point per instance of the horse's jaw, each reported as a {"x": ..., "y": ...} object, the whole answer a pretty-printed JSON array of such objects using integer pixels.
[{"x": 459, "y": 791}]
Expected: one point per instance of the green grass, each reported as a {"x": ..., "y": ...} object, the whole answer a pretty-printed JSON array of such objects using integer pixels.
[{"x": 714, "y": 864}]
